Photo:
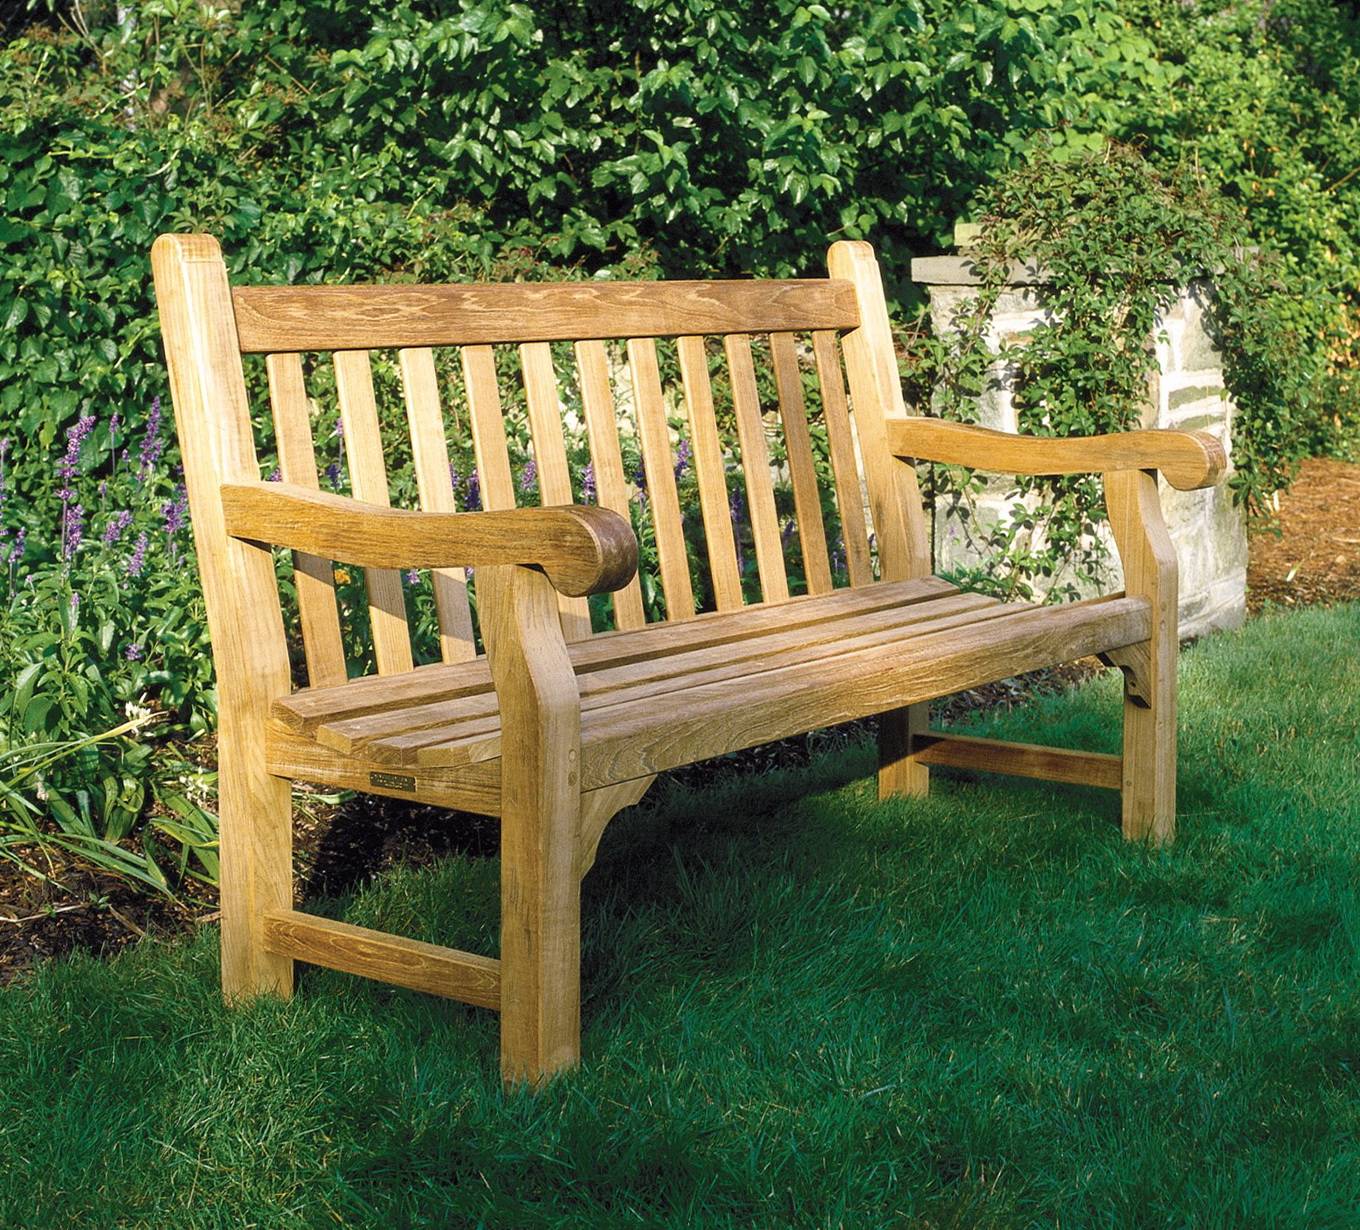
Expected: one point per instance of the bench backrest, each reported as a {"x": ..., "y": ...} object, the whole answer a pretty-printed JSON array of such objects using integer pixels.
[{"x": 802, "y": 330}]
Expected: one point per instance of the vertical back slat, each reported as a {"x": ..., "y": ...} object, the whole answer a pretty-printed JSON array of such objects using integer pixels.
[
  {"x": 708, "y": 467},
  {"x": 550, "y": 456},
  {"x": 430, "y": 458},
  {"x": 313, "y": 577},
  {"x": 807, "y": 499},
  {"x": 488, "y": 428},
  {"x": 659, "y": 467},
  {"x": 606, "y": 461},
  {"x": 368, "y": 479},
  {"x": 849, "y": 498},
  {"x": 755, "y": 464}
]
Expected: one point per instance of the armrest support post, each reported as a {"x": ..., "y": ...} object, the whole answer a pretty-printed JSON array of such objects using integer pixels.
[
  {"x": 540, "y": 710},
  {"x": 1149, "y": 562}
]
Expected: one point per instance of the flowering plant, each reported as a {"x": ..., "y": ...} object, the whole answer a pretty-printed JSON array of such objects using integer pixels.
[{"x": 101, "y": 631}]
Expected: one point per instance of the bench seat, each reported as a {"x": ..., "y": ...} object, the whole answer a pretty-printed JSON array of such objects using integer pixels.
[{"x": 672, "y": 694}]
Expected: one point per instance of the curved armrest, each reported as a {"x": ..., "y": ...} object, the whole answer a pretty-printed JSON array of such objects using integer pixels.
[
  {"x": 1186, "y": 459},
  {"x": 583, "y": 549}
]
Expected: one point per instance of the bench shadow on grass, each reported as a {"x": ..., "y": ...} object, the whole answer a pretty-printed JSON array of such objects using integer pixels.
[{"x": 367, "y": 867}]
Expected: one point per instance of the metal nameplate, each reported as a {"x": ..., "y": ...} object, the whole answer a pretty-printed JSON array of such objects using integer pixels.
[{"x": 392, "y": 781}]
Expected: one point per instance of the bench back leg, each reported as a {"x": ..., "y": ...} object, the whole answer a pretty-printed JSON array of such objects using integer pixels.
[
  {"x": 900, "y": 774},
  {"x": 239, "y": 588},
  {"x": 1149, "y": 560},
  {"x": 540, "y": 823},
  {"x": 255, "y": 811},
  {"x": 899, "y": 517}
]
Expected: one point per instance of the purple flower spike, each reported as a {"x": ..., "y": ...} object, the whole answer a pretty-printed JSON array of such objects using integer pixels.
[
  {"x": 174, "y": 512},
  {"x": 137, "y": 560},
  {"x": 72, "y": 529},
  {"x": 333, "y": 474},
  {"x": 114, "y": 530},
  {"x": 152, "y": 444},
  {"x": 413, "y": 577},
  {"x": 682, "y": 456},
  {"x": 588, "y": 482},
  {"x": 528, "y": 480},
  {"x": 75, "y": 438},
  {"x": 474, "y": 492},
  {"x": 16, "y": 552},
  {"x": 133, "y": 653}
]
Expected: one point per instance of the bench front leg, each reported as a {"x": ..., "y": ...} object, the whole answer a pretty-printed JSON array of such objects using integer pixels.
[
  {"x": 540, "y": 711},
  {"x": 1149, "y": 561}
]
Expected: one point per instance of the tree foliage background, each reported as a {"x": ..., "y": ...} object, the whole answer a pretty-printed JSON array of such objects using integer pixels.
[{"x": 354, "y": 138}]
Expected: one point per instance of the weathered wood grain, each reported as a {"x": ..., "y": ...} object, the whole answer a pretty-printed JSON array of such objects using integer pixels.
[
  {"x": 584, "y": 549},
  {"x": 390, "y": 958},
  {"x": 282, "y": 318},
  {"x": 313, "y": 577},
  {"x": 1053, "y": 764},
  {"x": 1186, "y": 459}
]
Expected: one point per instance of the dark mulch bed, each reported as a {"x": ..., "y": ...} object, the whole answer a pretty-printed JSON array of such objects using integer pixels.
[
  {"x": 1314, "y": 559},
  {"x": 80, "y": 907}
]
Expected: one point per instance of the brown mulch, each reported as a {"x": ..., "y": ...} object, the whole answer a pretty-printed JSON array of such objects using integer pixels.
[{"x": 1313, "y": 560}]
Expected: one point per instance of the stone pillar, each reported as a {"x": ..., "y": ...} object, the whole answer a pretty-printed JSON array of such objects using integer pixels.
[{"x": 1209, "y": 531}]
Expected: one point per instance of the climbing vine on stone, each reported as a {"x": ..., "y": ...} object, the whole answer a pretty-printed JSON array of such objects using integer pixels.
[{"x": 1119, "y": 241}]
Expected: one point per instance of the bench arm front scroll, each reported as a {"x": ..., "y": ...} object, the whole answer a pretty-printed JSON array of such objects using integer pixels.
[
  {"x": 583, "y": 549},
  {"x": 1186, "y": 459}
]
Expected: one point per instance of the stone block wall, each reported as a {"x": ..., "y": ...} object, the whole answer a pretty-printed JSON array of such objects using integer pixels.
[{"x": 1208, "y": 531}]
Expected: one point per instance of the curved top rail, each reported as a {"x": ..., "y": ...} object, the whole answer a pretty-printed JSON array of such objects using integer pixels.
[{"x": 276, "y": 319}]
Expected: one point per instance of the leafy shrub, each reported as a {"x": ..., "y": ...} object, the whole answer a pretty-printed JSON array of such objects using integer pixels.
[
  {"x": 451, "y": 139},
  {"x": 1264, "y": 95}
]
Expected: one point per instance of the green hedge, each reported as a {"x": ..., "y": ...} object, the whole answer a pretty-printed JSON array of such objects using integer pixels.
[
  {"x": 450, "y": 139},
  {"x": 347, "y": 140}
]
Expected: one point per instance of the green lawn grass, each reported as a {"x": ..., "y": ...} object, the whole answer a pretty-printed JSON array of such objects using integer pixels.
[{"x": 803, "y": 1008}]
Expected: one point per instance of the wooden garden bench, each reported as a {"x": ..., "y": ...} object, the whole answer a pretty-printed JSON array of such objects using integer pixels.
[{"x": 554, "y": 728}]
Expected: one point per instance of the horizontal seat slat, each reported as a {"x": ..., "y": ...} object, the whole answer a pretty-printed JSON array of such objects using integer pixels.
[
  {"x": 275, "y": 319},
  {"x": 705, "y": 716},
  {"x": 622, "y": 742},
  {"x": 405, "y": 732},
  {"x": 478, "y": 738},
  {"x": 304, "y": 710}
]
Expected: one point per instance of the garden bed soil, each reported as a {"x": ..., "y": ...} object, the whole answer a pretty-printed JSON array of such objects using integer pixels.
[{"x": 1314, "y": 559}]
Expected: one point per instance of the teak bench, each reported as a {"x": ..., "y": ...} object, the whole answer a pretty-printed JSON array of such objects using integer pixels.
[{"x": 555, "y": 729}]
